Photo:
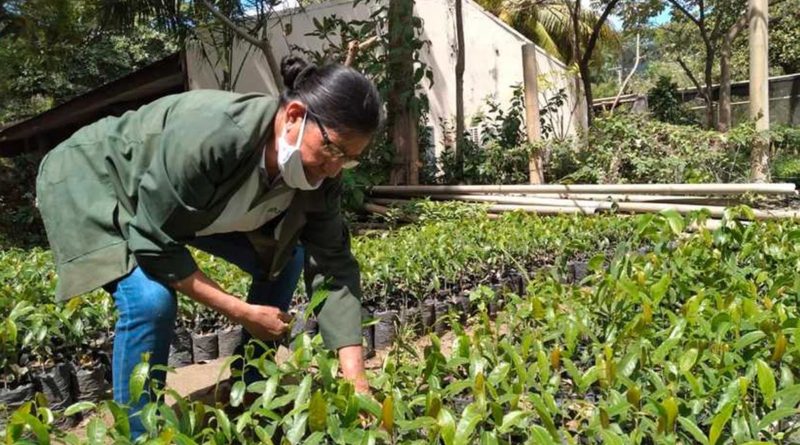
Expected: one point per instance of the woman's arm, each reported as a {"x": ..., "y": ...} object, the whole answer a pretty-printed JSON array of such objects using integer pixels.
[{"x": 264, "y": 322}]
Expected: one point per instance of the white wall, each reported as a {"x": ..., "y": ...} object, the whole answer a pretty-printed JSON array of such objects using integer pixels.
[{"x": 493, "y": 59}]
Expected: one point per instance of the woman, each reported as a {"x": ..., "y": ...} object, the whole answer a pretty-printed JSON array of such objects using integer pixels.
[{"x": 244, "y": 177}]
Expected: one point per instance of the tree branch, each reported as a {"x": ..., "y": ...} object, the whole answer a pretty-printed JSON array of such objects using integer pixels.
[
  {"x": 737, "y": 27},
  {"x": 688, "y": 72},
  {"x": 263, "y": 45},
  {"x": 596, "y": 31},
  {"x": 241, "y": 32},
  {"x": 627, "y": 79},
  {"x": 355, "y": 46},
  {"x": 685, "y": 12}
]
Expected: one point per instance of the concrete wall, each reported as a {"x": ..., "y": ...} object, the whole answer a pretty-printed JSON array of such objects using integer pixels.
[{"x": 493, "y": 59}]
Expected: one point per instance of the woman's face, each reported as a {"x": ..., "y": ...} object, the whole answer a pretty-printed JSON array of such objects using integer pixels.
[{"x": 321, "y": 158}]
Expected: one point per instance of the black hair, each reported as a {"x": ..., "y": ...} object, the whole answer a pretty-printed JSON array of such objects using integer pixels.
[{"x": 343, "y": 99}]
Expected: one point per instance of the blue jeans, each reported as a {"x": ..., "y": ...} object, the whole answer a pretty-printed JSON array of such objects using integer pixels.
[{"x": 147, "y": 311}]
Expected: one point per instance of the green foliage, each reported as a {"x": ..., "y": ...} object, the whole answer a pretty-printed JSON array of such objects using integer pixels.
[
  {"x": 503, "y": 152},
  {"x": 62, "y": 52},
  {"x": 784, "y": 35},
  {"x": 335, "y": 33},
  {"x": 690, "y": 340},
  {"x": 786, "y": 167},
  {"x": 665, "y": 104},
  {"x": 633, "y": 148}
]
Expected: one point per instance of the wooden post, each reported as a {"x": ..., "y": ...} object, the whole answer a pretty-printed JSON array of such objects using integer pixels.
[
  {"x": 460, "y": 65},
  {"x": 529, "y": 73},
  {"x": 759, "y": 88}
]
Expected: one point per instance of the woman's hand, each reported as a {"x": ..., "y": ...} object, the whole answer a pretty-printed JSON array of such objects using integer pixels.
[
  {"x": 351, "y": 359},
  {"x": 265, "y": 322}
]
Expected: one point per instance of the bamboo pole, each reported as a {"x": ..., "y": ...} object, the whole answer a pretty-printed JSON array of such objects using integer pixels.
[
  {"x": 622, "y": 197},
  {"x": 590, "y": 207},
  {"x": 673, "y": 189},
  {"x": 586, "y": 205},
  {"x": 540, "y": 210},
  {"x": 501, "y": 208}
]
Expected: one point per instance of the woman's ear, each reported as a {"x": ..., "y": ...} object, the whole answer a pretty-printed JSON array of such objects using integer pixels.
[{"x": 295, "y": 110}]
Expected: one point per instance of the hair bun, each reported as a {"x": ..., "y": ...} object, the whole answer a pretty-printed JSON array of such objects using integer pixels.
[{"x": 293, "y": 69}]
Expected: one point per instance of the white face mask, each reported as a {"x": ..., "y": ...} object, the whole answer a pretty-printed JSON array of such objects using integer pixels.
[{"x": 290, "y": 162}]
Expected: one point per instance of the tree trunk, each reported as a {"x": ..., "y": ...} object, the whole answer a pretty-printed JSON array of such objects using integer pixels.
[
  {"x": 724, "y": 122},
  {"x": 759, "y": 88},
  {"x": 460, "y": 62},
  {"x": 401, "y": 118},
  {"x": 580, "y": 111},
  {"x": 725, "y": 117},
  {"x": 587, "y": 92},
  {"x": 709, "y": 87}
]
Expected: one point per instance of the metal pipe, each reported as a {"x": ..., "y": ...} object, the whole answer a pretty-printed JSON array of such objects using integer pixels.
[{"x": 675, "y": 189}]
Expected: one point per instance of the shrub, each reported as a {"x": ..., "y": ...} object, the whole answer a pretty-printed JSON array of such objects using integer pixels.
[
  {"x": 633, "y": 148},
  {"x": 665, "y": 104}
]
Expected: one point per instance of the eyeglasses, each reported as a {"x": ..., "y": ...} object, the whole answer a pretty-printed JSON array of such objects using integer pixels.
[{"x": 333, "y": 149}]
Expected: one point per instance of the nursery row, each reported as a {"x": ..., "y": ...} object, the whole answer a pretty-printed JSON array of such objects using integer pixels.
[
  {"x": 430, "y": 262},
  {"x": 670, "y": 337}
]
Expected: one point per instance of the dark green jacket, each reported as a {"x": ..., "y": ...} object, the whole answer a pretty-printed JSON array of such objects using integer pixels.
[{"x": 132, "y": 190}]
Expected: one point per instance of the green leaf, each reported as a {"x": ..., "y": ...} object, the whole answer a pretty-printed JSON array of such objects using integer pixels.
[
  {"x": 659, "y": 289},
  {"x": 297, "y": 429},
  {"x": 740, "y": 430},
  {"x": 237, "y": 393},
  {"x": 718, "y": 423},
  {"x": 544, "y": 415},
  {"x": 693, "y": 429},
  {"x": 319, "y": 296},
  {"x": 242, "y": 422},
  {"x": 79, "y": 407},
  {"x": 596, "y": 263},
  {"x": 611, "y": 438},
  {"x": 138, "y": 380},
  {"x": 511, "y": 420},
  {"x": 317, "y": 412},
  {"x": 670, "y": 407},
  {"x": 687, "y": 360},
  {"x": 675, "y": 220},
  {"x": 387, "y": 413},
  {"x": 314, "y": 438},
  {"x": 148, "y": 416},
  {"x": 121, "y": 421},
  {"x": 541, "y": 436},
  {"x": 489, "y": 438},
  {"x": 368, "y": 404},
  {"x": 11, "y": 331},
  {"x": 774, "y": 416},
  {"x": 39, "y": 429},
  {"x": 270, "y": 388},
  {"x": 748, "y": 339},
  {"x": 470, "y": 419},
  {"x": 766, "y": 382},
  {"x": 447, "y": 426},
  {"x": 223, "y": 423},
  {"x": 303, "y": 392},
  {"x": 96, "y": 432},
  {"x": 416, "y": 424}
]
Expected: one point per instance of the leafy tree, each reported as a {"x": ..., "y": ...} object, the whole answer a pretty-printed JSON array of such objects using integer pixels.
[
  {"x": 56, "y": 50},
  {"x": 566, "y": 29}
]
